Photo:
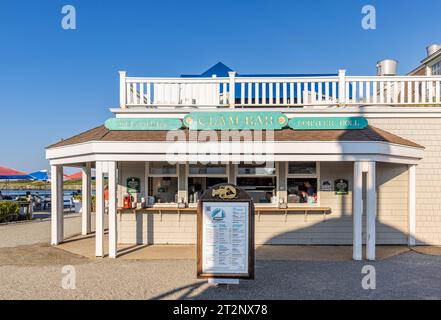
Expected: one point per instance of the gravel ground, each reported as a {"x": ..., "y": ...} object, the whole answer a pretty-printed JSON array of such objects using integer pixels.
[
  {"x": 407, "y": 276},
  {"x": 34, "y": 271},
  {"x": 25, "y": 233}
]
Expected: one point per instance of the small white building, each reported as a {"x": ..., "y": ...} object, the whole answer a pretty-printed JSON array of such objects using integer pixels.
[{"x": 327, "y": 159}]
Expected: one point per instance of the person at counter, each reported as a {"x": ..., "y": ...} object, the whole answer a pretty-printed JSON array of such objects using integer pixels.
[
  {"x": 302, "y": 191},
  {"x": 306, "y": 192},
  {"x": 310, "y": 190}
]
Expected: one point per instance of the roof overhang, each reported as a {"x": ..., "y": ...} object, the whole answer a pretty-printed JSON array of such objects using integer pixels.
[{"x": 234, "y": 151}]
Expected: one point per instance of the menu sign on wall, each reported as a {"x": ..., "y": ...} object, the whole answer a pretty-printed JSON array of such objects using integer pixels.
[{"x": 225, "y": 234}]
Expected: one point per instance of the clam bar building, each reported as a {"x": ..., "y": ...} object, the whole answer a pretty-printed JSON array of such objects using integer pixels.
[{"x": 328, "y": 159}]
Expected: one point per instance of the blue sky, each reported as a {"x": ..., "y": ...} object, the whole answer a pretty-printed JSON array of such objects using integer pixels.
[{"x": 55, "y": 83}]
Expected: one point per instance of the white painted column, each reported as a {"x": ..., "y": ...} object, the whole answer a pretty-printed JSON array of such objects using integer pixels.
[
  {"x": 412, "y": 204},
  {"x": 357, "y": 205},
  {"x": 86, "y": 196},
  {"x": 113, "y": 232},
  {"x": 371, "y": 210},
  {"x": 57, "y": 205},
  {"x": 99, "y": 225}
]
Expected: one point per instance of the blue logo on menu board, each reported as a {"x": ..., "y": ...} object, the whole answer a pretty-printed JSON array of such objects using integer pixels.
[{"x": 218, "y": 214}]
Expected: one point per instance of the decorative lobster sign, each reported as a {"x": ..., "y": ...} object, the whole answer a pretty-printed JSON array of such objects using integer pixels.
[{"x": 225, "y": 191}]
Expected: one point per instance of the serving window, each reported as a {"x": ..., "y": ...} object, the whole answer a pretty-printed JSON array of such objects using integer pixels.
[
  {"x": 162, "y": 168},
  {"x": 303, "y": 182},
  {"x": 259, "y": 180},
  {"x": 202, "y": 177},
  {"x": 266, "y": 169},
  {"x": 208, "y": 169},
  {"x": 162, "y": 182}
]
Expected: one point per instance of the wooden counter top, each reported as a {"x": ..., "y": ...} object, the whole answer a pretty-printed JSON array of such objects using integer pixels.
[
  {"x": 258, "y": 210},
  {"x": 157, "y": 209}
]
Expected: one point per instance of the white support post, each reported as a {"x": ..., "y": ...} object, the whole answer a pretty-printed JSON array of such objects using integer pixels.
[
  {"x": 57, "y": 205},
  {"x": 113, "y": 236},
  {"x": 341, "y": 87},
  {"x": 412, "y": 204},
  {"x": 99, "y": 225},
  {"x": 357, "y": 210},
  {"x": 232, "y": 94},
  {"x": 371, "y": 211},
  {"x": 86, "y": 197},
  {"x": 122, "y": 89}
]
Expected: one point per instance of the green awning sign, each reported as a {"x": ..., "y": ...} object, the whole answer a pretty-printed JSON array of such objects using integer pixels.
[
  {"x": 135, "y": 124},
  {"x": 328, "y": 123},
  {"x": 239, "y": 120}
]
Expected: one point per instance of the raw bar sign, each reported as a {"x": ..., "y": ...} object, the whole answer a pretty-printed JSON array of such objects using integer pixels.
[
  {"x": 236, "y": 120},
  {"x": 225, "y": 234},
  {"x": 328, "y": 123},
  {"x": 128, "y": 124}
]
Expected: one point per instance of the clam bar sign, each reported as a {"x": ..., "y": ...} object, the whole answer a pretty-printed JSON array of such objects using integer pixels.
[
  {"x": 236, "y": 120},
  {"x": 225, "y": 240}
]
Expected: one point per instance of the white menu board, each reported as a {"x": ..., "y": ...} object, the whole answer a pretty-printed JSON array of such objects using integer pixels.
[{"x": 225, "y": 237}]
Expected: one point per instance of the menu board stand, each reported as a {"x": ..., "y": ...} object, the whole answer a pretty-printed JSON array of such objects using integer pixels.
[{"x": 225, "y": 235}]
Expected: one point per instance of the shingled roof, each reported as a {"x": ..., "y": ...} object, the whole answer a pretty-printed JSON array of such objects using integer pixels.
[{"x": 367, "y": 134}]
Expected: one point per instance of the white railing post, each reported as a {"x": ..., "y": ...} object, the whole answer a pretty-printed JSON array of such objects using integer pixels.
[
  {"x": 122, "y": 89},
  {"x": 232, "y": 94},
  {"x": 341, "y": 87}
]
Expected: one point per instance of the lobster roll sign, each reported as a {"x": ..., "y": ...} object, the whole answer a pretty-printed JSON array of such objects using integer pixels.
[{"x": 225, "y": 239}]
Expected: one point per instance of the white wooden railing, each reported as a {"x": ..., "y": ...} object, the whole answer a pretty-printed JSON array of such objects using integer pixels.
[{"x": 338, "y": 90}]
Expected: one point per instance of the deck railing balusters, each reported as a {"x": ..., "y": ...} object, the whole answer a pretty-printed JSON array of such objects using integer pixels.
[{"x": 280, "y": 91}]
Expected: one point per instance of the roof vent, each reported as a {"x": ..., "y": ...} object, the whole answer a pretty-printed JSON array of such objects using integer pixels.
[
  {"x": 387, "y": 67},
  {"x": 432, "y": 49}
]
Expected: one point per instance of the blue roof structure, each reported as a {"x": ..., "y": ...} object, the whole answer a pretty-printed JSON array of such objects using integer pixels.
[
  {"x": 41, "y": 175},
  {"x": 221, "y": 70}
]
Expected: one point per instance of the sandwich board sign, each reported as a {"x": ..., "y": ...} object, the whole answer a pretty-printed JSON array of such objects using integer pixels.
[{"x": 225, "y": 235}]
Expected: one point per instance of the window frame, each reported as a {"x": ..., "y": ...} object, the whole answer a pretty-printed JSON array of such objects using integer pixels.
[
  {"x": 303, "y": 176},
  {"x": 161, "y": 174},
  {"x": 436, "y": 65},
  {"x": 202, "y": 175},
  {"x": 207, "y": 175},
  {"x": 276, "y": 172},
  {"x": 147, "y": 175},
  {"x": 276, "y": 175}
]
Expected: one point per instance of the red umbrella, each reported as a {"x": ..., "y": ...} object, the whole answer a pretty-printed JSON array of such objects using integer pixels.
[
  {"x": 75, "y": 176},
  {"x": 9, "y": 173},
  {"x": 12, "y": 174}
]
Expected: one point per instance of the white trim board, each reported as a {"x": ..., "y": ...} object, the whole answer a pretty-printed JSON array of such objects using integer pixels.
[
  {"x": 234, "y": 151},
  {"x": 368, "y": 112}
]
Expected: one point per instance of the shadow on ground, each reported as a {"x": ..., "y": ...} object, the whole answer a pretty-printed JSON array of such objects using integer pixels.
[{"x": 38, "y": 255}]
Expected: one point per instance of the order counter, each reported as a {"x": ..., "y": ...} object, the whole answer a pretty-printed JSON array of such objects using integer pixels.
[{"x": 258, "y": 210}]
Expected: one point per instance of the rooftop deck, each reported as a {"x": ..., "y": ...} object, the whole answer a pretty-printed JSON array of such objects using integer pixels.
[{"x": 237, "y": 91}]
